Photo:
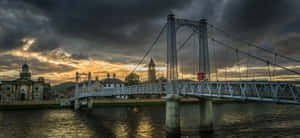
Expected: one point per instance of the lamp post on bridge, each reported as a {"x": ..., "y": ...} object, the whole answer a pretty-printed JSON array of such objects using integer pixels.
[
  {"x": 76, "y": 102},
  {"x": 90, "y": 99}
]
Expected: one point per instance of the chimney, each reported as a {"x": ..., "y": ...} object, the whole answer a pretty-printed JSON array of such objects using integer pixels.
[
  {"x": 108, "y": 76},
  {"x": 114, "y": 75}
]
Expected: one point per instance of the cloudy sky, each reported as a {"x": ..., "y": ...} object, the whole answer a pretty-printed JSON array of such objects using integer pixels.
[{"x": 59, "y": 37}]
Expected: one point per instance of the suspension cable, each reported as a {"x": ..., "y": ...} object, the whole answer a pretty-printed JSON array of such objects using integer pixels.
[
  {"x": 274, "y": 69},
  {"x": 257, "y": 58},
  {"x": 215, "y": 59},
  {"x": 185, "y": 42},
  {"x": 226, "y": 66},
  {"x": 254, "y": 45},
  {"x": 193, "y": 57},
  {"x": 238, "y": 60},
  {"x": 152, "y": 45},
  {"x": 269, "y": 71},
  {"x": 247, "y": 67}
]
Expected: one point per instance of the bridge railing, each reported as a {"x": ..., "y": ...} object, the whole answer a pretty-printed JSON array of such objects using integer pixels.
[
  {"x": 281, "y": 92},
  {"x": 263, "y": 91}
]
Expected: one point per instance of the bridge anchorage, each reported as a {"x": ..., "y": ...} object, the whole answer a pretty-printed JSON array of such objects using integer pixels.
[{"x": 283, "y": 92}]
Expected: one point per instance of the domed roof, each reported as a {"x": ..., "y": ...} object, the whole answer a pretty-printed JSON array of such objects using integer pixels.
[
  {"x": 41, "y": 79},
  {"x": 25, "y": 68}
]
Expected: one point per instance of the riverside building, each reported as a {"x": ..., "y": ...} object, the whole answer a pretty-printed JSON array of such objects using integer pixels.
[{"x": 24, "y": 88}]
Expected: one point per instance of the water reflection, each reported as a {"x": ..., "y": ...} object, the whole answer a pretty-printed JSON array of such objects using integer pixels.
[
  {"x": 121, "y": 129},
  {"x": 230, "y": 120},
  {"x": 145, "y": 127}
]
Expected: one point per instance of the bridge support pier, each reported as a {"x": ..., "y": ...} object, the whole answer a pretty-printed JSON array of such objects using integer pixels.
[
  {"x": 206, "y": 116},
  {"x": 90, "y": 104},
  {"x": 76, "y": 105},
  {"x": 173, "y": 114}
]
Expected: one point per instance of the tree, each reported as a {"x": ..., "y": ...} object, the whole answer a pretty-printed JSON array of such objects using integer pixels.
[
  {"x": 132, "y": 79},
  {"x": 162, "y": 79}
]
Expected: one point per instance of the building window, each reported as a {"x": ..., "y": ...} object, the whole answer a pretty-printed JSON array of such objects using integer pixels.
[
  {"x": 36, "y": 89},
  {"x": 108, "y": 85}
]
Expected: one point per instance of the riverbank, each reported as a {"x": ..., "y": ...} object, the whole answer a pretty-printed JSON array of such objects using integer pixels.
[
  {"x": 106, "y": 102},
  {"x": 29, "y": 106},
  {"x": 20, "y": 105}
]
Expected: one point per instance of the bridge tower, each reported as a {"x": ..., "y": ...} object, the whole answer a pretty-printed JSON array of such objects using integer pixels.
[
  {"x": 173, "y": 100},
  {"x": 204, "y": 65},
  {"x": 172, "y": 104},
  {"x": 172, "y": 73}
]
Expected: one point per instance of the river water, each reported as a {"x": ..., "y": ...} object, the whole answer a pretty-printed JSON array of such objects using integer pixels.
[{"x": 230, "y": 120}]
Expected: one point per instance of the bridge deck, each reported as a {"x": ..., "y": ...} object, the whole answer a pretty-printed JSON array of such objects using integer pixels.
[{"x": 279, "y": 92}]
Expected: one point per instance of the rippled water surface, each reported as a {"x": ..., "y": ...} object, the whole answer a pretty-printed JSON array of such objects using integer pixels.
[{"x": 230, "y": 120}]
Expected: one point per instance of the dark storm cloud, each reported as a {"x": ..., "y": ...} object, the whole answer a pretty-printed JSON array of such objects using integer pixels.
[
  {"x": 18, "y": 21},
  {"x": 40, "y": 68},
  {"x": 288, "y": 46},
  {"x": 254, "y": 18},
  {"x": 120, "y": 31},
  {"x": 259, "y": 22},
  {"x": 8, "y": 63},
  {"x": 118, "y": 24}
]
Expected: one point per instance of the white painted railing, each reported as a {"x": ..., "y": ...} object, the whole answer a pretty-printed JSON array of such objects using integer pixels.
[{"x": 279, "y": 92}]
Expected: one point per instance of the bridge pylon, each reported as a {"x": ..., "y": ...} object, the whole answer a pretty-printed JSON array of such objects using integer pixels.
[
  {"x": 172, "y": 73},
  {"x": 173, "y": 98},
  {"x": 203, "y": 54},
  {"x": 204, "y": 65},
  {"x": 206, "y": 115}
]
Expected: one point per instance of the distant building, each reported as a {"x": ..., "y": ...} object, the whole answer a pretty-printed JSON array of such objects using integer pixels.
[
  {"x": 96, "y": 85},
  {"x": 151, "y": 71},
  {"x": 24, "y": 88},
  {"x": 112, "y": 82}
]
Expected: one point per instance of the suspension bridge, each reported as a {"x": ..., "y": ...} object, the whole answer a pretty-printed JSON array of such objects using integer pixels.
[{"x": 245, "y": 71}]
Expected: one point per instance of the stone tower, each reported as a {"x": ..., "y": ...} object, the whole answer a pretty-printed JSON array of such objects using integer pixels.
[{"x": 151, "y": 71}]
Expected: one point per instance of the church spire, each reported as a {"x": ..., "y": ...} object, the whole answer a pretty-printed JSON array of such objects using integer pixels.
[
  {"x": 151, "y": 62},
  {"x": 151, "y": 71}
]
